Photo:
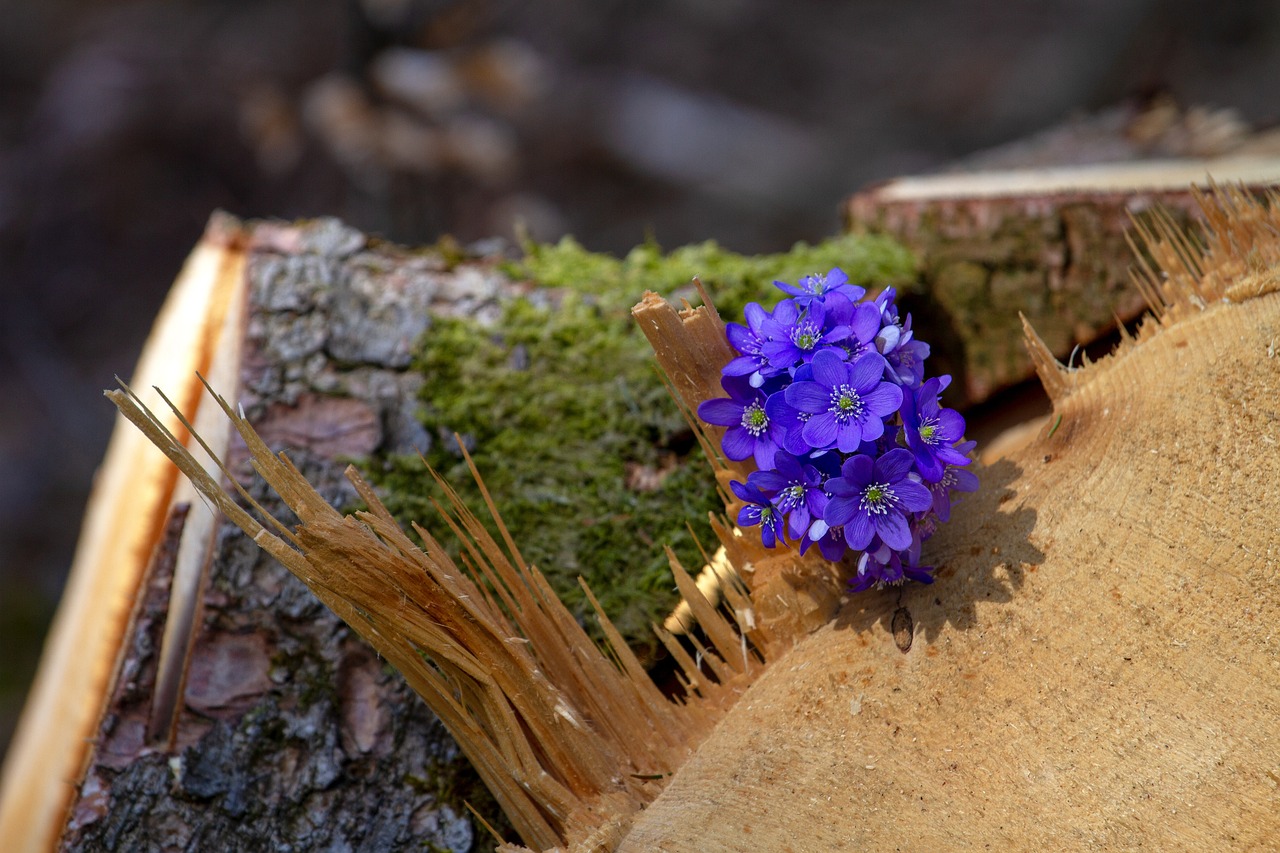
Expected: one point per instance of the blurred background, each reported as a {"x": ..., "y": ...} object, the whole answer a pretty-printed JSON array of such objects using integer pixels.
[{"x": 124, "y": 124}]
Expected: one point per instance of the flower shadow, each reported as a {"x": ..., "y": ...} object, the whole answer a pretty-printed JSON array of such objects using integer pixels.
[{"x": 982, "y": 555}]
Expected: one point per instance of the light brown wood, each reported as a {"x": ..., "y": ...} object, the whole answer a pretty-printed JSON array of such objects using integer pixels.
[
  {"x": 126, "y": 514},
  {"x": 1096, "y": 666},
  {"x": 1049, "y": 243}
]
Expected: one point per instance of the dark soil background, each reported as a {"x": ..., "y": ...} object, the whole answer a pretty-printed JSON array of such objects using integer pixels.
[{"x": 124, "y": 124}]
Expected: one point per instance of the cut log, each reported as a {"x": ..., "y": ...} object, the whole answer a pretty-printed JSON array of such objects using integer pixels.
[
  {"x": 86, "y": 650},
  {"x": 1048, "y": 243},
  {"x": 1094, "y": 668},
  {"x": 290, "y": 732},
  {"x": 195, "y": 693}
]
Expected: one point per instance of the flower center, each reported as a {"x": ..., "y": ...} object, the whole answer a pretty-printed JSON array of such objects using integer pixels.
[
  {"x": 790, "y": 497},
  {"x": 817, "y": 283},
  {"x": 754, "y": 420},
  {"x": 766, "y": 516},
  {"x": 929, "y": 431},
  {"x": 805, "y": 335},
  {"x": 846, "y": 405},
  {"x": 877, "y": 498}
]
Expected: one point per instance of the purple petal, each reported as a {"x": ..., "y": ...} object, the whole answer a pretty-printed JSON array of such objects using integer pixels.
[
  {"x": 950, "y": 425},
  {"x": 966, "y": 481},
  {"x": 721, "y": 411},
  {"x": 883, "y": 400},
  {"x": 867, "y": 371},
  {"x": 820, "y": 430},
  {"x": 764, "y": 451},
  {"x": 859, "y": 531},
  {"x": 768, "y": 535},
  {"x": 892, "y": 528},
  {"x": 857, "y": 469},
  {"x": 893, "y": 466},
  {"x": 832, "y": 548},
  {"x": 741, "y": 366},
  {"x": 836, "y": 334},
  {"x": 942, "y": 505},
  {"x": 849, "y": 435},
  {"x": 786, "y": 313},
  {"x": 842, "y": 487},
  {"x": 738, "y": 444},
  {"x": 929, "y": 466},
  {"x": 741, "y": 338},
  {"x": 840, "y": 510},
  {"x": 768, "y": 481},
  {"x": 798, "y": 521},
  {"x": 807, "y": 397},
  {"x": 829, "y": 370},
  {"x": 952, "y": 456},
  {"x": 866, "y": 322},
  {"x": 914, "y": 497},
  {"x": 927, "y": 398},
  {"x": 870, "y": 429}
]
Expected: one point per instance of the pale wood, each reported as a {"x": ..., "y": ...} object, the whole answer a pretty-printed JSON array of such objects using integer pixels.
[
  {"x": 1095, "y": 667},
  {"x": 72, "y": 686},
  {"x": 1049, "y": 243}
]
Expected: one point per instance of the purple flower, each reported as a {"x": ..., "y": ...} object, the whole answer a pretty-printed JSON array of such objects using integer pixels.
[
  {"x": 830, "y": 540},
  {"x": 796, "y": 489},
  {"x": 872, "y": 498},
  {"x": 931, "y": 430},
  {"x": 906, "y": 360},
  {"x": 818, "y": 286},
  {"x": 883, "y": 566},
  {"x": 953, "y": 480},
  {"x": 749, "y": 341},
  {"x": 751, "y": 432},
  {"x": 848, "y": 402},
  {"x": 759, "y": 510},
  {"x": 890, "y": 333},
  {"x": 795, "y": 334}
]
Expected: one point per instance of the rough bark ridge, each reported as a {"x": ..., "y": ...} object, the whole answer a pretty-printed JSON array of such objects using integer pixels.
[{"x": 291, "y": 727}]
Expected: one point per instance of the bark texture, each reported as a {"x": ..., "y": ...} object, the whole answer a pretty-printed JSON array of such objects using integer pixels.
[
  {"x": 1053, "y": 249},
  {"x": 292, "y": 734}
]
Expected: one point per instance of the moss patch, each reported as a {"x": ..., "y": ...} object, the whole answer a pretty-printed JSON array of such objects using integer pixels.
[{"x": 587, "y": 458}]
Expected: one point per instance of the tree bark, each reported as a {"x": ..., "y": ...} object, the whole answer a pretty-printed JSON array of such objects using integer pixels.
[
  {"x": 1048, "y": 244},
  {"x": 290, "y": 733}
]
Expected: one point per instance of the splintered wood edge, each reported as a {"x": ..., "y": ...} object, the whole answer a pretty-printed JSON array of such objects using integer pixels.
[
  {"x": 123, "y": 522},
  {"x": 1234, "y": 259}
]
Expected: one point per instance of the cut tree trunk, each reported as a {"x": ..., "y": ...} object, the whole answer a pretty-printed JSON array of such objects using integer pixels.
[
  {"x": 278, "y": 728},
  {"x": 1095, "y": 667},
  {"x": 288, "y": 733},
  {"x": 1046, "y": 243}
]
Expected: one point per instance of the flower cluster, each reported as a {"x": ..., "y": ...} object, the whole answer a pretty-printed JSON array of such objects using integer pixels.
[{"x": 853, "y": 450}]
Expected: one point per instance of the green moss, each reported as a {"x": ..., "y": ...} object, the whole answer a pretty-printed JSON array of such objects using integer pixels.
[{"x": 561, "y": 405}]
